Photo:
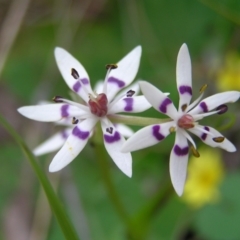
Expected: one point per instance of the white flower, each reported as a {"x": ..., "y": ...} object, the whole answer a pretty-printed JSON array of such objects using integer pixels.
[
  {"x": 97, "y": 107},
  {"x": 56, "y": 141},
  {"x": 185, "y": 118}
]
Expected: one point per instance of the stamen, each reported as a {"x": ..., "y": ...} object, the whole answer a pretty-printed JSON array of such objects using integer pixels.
[
  {"x": 74, "y": 73},
  {"x": 172, "y": 129},
  {"x": 58, "y": 99},
  {"x": 195, "y": 152},
  {"x": 109, "y": 130},
  {"x": 111, "y": 66},
  {"x": 130, "y": 93},
  {"x": 203, "y": 88},
  {"x": 184, "y": 107},
  {"x": 218, "y": 139},
  {"x": 75, "y": 120},
  {"x": 222, "y": 109}
]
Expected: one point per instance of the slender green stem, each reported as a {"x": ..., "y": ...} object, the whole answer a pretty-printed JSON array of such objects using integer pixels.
[
  {"x": 135, "y": 120},
  {"x": 101, "y": 157},
  {"x": 57, "y": 208}
]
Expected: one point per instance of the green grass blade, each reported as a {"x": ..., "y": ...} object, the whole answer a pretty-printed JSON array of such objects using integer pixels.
[{"x": 57, "y": 208}]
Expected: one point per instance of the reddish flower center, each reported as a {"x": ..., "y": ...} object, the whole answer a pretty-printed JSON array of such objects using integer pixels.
[
  {"x": 186, "y": 121},
  {"x": 98, "y": 105}
]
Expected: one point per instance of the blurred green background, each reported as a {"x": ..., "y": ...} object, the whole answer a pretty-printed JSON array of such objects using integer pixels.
[{"x": 97, "y": 33}]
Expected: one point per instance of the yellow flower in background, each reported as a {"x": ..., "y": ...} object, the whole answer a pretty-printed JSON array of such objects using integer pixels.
[
  {"x": 204, "y": 176},
  {"x": 229, "y": 74}
]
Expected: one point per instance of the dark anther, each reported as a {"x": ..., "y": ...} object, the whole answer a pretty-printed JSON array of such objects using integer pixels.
[
  {"x": 195, "y": 152},
  {"x": 75, "y": 120},
  {"x": 218, "y": 139},
  {"x": 74, "y": 73},
  {"x": 109, "y": 130},
  {"x": 203, "y": 88},
  {"x": 57, "y": 99},
  {"x": 184, "y": 107},
  {"x": 111, "y": 66},
  {"x": 222, "y": 109},
  {"x": 130, "y": 93}
]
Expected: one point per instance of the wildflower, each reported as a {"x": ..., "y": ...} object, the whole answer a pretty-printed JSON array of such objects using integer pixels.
[
  {"x": 56, "y": 141},
  {"x": 183, "y": 119},
  {"x": 96, "y": 107},
  {"x": 229, "y": 74},
  {"x": 203, "y": 179}
]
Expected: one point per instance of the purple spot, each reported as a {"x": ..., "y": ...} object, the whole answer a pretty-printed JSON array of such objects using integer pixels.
[
  {"x": 164, "y": 104},
  {"x": 180, "y": 151},
  {"x": 64, "y": 134},
  {"x": 129, "y": 104},
  {"x": 204, "y": 107},
  {"x": 80, "y": 134},
  {"x": 111, "y": 139},
  {"x": 77, "y": 85},
  {"x": 64, "y": 110},
  {"x": 185, "y": 89},
  {"x": 120, "y": 83},
  {"x": 204, "y": 135},
  {"x": 156, "y": 133}
]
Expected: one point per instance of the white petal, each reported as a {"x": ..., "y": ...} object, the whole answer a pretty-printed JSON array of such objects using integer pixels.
[
  {"x": 158, "y": 99},
  {"x": 124, "y": 130},
  {"x": 208, "y": 138},
  {"x": 50, "y": 112},
  {"x": 214, "y": 101},
  {"x": 147, "y": 136},
  {"x": 178, "y": 162},
  {"x": 53, "y": 143},
  {"x": 184, "y": 76},
  {"x": 98, "y": 88},
  {"x": 122, "y": 76},
  {"x": 113, "y": 142},
  {"x": 130, "y": 104},
  {"x": 73, "y": 145},
  {"x": 66, "y": 62}
]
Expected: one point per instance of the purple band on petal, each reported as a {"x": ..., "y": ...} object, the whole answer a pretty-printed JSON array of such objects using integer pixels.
[
  {"x": 129, "y": 104},
  {"x": 180, "y": 151},
  {"x": 64, "y": 134},
  {"x": 80, "y": 134},
  {"x": 77, "y": 85},
  {"x": 64, "y": 110},
  {"x": 204, "y": 107},
  {"x": 111, "y": 139},
  {"x": 120, "y": 83},
  {"x": 156, "y": 133},
  {"x": 204, "y": 135},
  {"x": 164, "y": 104},
  {"x": 185, "y": 89}
]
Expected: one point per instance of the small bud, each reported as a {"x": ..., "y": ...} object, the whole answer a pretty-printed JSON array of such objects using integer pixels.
[
  {"x": 203, "y": 88},
  {"x": 74, "y": 73},
  {"x": 184, "y": 106},
  {"x": 130, "y": 93},
  {"x": 222, "y": 109},
  {"x": 195, "y": 152},
  {"x": 218, "y": 139},
  {"x": 75, "y": 120},
  {"x": 111, "y": 66},
  {"x": 57, "y": 99},
  {"x": 109, "y": 130}
]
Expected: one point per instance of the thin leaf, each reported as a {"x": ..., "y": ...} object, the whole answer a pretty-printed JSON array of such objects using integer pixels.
[{"x": 57, "y": 208}]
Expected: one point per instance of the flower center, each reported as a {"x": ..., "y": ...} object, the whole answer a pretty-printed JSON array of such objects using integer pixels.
[
  {"x": 186, "y": 121},
  {"x": 98, "y": 105}
]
